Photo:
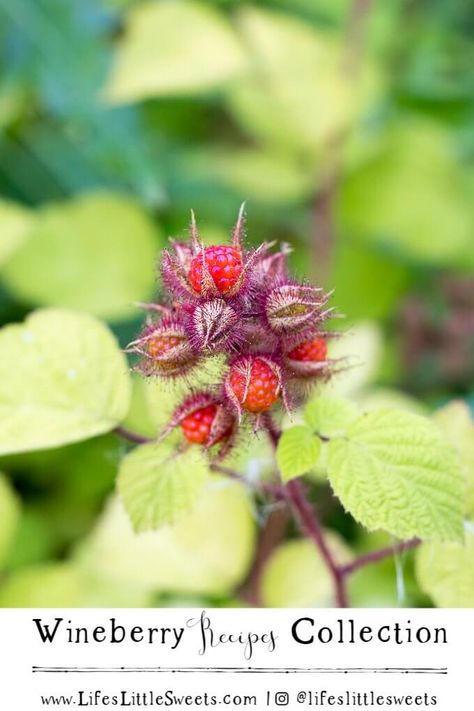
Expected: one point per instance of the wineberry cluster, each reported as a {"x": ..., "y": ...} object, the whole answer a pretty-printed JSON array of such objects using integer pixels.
[{"x": 241, "y": 303}]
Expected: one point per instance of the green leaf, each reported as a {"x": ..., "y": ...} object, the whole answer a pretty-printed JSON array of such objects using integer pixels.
[
  {"x": 9, "y": 516},
  {"x": 270, "y": 177},
  {"x": 16, "y": 223},
  {"x": 297, "y": 576},
  {"x": 456, "y": 422},
  {"x": 445, "y": 572},
  {"x": 298, "y": 450},
  {"x": 393, "y": 470},
  {"x": 95, "y": 253},
  {"x": 63, "y": 378},
  {"x": 173, "y": 48},
  {"x": 329, "y": 416},
  {"x": 296, "y": 77},
  {"x": 159, "y": 485},
  {"x": 207, "y": 552},
  {"x": 416, "y": 194}
]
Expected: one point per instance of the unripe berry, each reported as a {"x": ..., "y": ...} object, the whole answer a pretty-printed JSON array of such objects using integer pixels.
[
  {"x": 314, "y": 350},
  {"x": 165, "y": 348},
  {"x": 159, "y": 345},
  {"x": 255, "y": 384},
  {"x": 223, "y": 264}
]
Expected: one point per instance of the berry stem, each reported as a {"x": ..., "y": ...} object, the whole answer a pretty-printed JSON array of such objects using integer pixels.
[{"x": 273, "y": 432}]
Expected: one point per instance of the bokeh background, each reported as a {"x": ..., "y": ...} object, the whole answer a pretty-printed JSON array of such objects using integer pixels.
[{"x": 347, "y": 126}]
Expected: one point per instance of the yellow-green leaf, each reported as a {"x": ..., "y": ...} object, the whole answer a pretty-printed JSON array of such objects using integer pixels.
[
  {"x": 445, "y": 572},
  {"x": 173, "y": 48},
  {"x": 65, "y": 584},
  {"x": 297, "y": 452},
  {"x": 207, "y": 552},
  {"x": 63, "y": 378},
  {"x": 417, "y": 196},
  {"x": 297, "y": 95},
  {"x": 159, "y": 485},
  {"x": 394, "y": 471},
  {"x": 95, "y": 253},
  {"x": 456, "y": 421}
]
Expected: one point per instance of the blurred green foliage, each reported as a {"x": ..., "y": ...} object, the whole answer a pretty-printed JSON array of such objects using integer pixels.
[{"x": 348, "y": 126}]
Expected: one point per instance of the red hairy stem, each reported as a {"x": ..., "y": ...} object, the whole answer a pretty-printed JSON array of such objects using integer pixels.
[
  {"x": 377, "y": 555},
  {"x": 311, "y": 528},
  {"x": 309, "y": 523}
]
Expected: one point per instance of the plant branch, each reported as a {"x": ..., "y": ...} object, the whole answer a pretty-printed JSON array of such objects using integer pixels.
[
  {"x": 308, "y": 521},
  {"x": 312, "y": 529},
  {"x": 377, "y": 555}
]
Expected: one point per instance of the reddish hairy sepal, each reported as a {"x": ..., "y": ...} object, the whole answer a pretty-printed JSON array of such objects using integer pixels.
[
  {"x": 166, "y": 361},
  {"x": 174, "y": 276},
  {"x": 272, "y": 268},
  {"x": 308, "y": 369},
  {"x": 214, "y": 325},
  {"x": 291, "y": 307}
]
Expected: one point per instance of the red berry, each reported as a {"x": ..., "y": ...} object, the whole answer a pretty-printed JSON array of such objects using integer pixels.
[
  {"x": 224, "y": 265},
  {"x": 197, "y": 426},
  {"x": 314, "y": 351},
  {"x": 263, "y": 389}
]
